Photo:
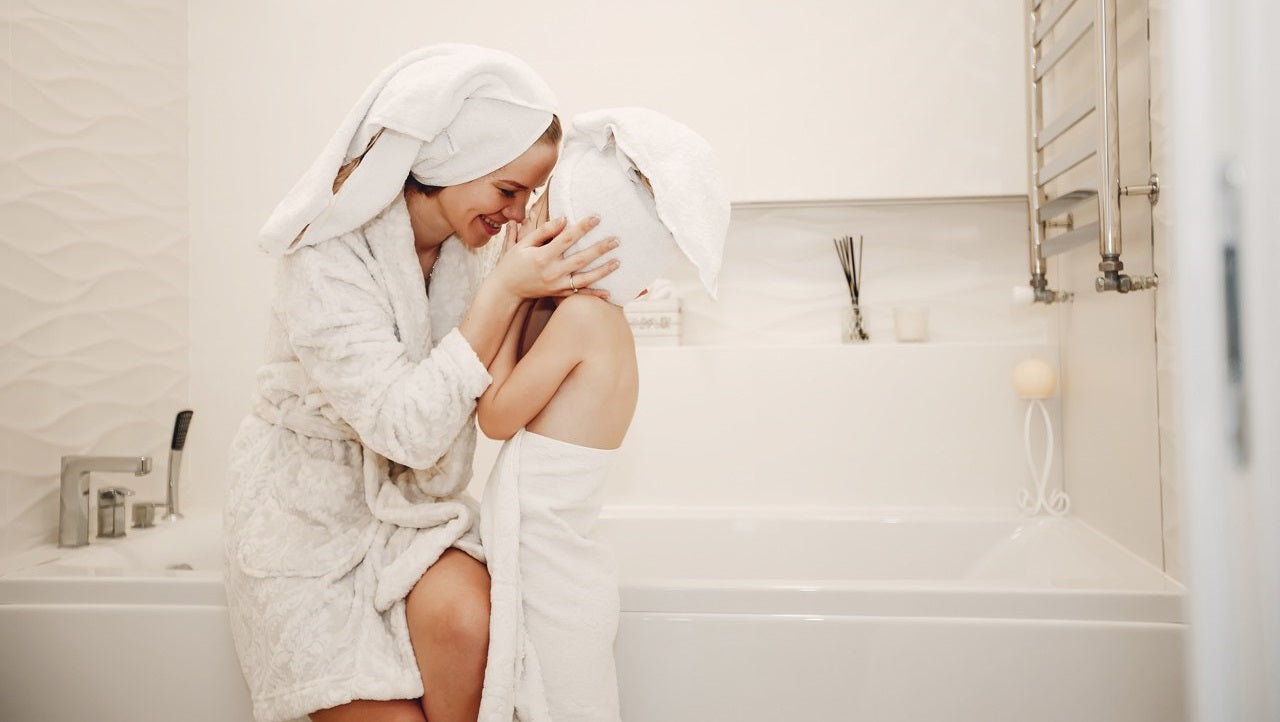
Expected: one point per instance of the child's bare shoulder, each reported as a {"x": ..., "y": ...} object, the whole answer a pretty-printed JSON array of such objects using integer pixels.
[{"x": 590, "y": 324}]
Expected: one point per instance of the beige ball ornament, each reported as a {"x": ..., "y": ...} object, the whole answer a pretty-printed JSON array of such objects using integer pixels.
[{"x": 1034, "y": 378}]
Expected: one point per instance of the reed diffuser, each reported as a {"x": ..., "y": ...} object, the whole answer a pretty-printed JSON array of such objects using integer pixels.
[{"x": 850, "y": 255}]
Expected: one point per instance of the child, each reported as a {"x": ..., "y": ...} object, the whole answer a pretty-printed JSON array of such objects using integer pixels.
[{"x": 564, "y": 390}]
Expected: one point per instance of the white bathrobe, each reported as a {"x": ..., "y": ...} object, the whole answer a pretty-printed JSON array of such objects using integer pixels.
[{"x": 347, "y": 479}]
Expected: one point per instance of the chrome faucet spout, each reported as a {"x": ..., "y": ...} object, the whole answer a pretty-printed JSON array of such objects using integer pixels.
[{"x": 73, "y": 512}]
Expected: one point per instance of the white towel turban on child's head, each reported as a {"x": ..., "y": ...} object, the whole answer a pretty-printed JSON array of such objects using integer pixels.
[
  {"x": 686, "y": 215},
  {"x": 447, "y": 113}
]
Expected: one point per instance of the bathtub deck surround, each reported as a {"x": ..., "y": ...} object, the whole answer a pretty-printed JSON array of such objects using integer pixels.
[{"x": 758, "y": 614}]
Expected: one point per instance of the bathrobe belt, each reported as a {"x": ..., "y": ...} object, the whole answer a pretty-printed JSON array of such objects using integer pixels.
[{"x": 294, "y": 414}]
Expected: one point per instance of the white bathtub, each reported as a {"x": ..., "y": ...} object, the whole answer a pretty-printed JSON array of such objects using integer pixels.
[{"x": 727, "y": 615}]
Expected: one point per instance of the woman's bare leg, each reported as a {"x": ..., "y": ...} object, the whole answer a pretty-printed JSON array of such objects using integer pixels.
[
  {"x": 363, "y": 710},
  {"x": 448, "y": 615}
]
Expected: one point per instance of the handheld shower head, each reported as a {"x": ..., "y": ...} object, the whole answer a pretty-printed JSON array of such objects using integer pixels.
[{"x": 180, "y": 426}]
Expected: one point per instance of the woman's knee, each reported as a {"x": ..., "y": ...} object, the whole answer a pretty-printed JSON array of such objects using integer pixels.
[{"x": 450, "y": 604}]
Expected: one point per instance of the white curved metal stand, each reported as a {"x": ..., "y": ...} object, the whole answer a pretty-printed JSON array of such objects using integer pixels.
[{"x": 1038, "y": 498}]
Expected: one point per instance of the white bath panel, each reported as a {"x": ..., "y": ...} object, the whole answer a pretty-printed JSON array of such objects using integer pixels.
[
  {"x": 757, "y": 668},
  {"x": 66, "y": 674}
]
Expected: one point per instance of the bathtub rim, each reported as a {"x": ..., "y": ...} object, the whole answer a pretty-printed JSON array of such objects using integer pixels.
[
  {"x": 205, "y": 588},
  {"x": 48, "y": 577}
]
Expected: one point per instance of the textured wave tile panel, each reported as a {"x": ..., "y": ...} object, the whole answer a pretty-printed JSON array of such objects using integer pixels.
[
  {"x": 93, "y": 245},
  {"x": 49, "y": 405}
]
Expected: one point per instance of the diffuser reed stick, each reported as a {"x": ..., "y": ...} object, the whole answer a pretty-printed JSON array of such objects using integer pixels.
[{"x": 850, "y": 255}]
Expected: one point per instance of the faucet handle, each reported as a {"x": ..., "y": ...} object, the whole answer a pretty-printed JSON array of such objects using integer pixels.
[
  {"x": 144, "y": 513},
  {"x": 113, "y": 494},
  {"x": 111, "y": 511}
]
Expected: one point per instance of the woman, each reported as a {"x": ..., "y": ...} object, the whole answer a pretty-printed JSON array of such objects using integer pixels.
[{"x": 355, "y": 578}]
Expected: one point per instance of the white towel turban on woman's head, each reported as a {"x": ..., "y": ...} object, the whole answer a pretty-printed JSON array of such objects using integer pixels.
[
  {"x": 447, "y": 113},
  {"x": 655, "y": 186}
]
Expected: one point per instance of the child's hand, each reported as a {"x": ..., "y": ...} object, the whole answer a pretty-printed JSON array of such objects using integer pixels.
[{"x": 535, "y": 218}]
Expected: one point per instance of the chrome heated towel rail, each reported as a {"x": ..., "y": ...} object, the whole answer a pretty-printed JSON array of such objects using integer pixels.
[{"x": 1052, "y": 32}]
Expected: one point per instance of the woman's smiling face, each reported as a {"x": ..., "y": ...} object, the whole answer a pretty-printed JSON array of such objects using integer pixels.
[{"x": 477, "y": 210}]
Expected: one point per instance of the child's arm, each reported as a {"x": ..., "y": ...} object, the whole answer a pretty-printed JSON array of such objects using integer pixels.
[
  {"x": 509, "y": 352},
  {"x": 521, "y": 389}
]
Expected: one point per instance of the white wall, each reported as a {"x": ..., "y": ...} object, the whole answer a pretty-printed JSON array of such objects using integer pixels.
[
  {"x": 1113, "y": 397},
  {"x": 790, "y": 88},
  {"x": 93, "y": 246},
  {"x": 810, "y": 99},
  {"x": 763, "y": 406},
  {"x": 802, "y": 100},
  {"x": 1169, "y": 370}
]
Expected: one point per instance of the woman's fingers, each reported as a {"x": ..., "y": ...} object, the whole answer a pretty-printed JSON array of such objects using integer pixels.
[
  {"x": 582, "y": 282},
  {"x": 572, "y": 234},
  {"x": 597, "y": 292},
  {"x": 580, "y": 279},
  {"x": 544, "y": 233},
  {"x": 537, "y": 266},
  {"x": 583, "y": 279},
  {"x": 587, "y": 256}
]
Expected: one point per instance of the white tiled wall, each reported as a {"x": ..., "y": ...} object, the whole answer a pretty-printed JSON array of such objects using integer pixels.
[
  {"x": 802, "y": 100},
  {"x": 93, "y": 245},
  {"x": 99, "y": 339},
  {"x": 1168, "y": 370},
  {"x": 1115, "y": 357},
  {"x": 805, "y": 99},
  {"x": 782, "y": 284},
  {"x": 764, "y": 406}
]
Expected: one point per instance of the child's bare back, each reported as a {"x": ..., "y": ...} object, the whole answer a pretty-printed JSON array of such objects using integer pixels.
[
  {"x": 574, "y": 378},
  {"x": 596, "y": 400}
]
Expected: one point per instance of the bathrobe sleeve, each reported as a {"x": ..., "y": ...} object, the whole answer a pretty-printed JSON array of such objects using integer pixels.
[{"x": 341, "y": 324}]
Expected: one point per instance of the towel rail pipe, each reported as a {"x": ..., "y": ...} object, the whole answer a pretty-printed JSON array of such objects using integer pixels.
[
  {"x": 1036, "y": 259},
  {"x": 1065, "y": 122},
  {"x": 1050, "y": 18},
  {"x": 1064, "y": 163},
  {"x": 1108, "y": 140},
  {"x": 1063, "y": 203},
  {"x": 1074, "y": 32},
  {"x": 1064, "y": 242}
]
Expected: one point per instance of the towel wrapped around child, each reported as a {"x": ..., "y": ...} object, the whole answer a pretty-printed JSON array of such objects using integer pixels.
[
  {"x": 555, "y": 608},
  {"x": 555, "y": 592}
]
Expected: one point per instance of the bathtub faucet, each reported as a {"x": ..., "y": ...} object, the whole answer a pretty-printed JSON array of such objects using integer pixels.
[{"x": 73, "y": 511}]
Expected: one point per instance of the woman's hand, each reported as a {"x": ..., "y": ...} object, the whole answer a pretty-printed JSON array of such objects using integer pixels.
[{"x": 533, "y": 264}]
